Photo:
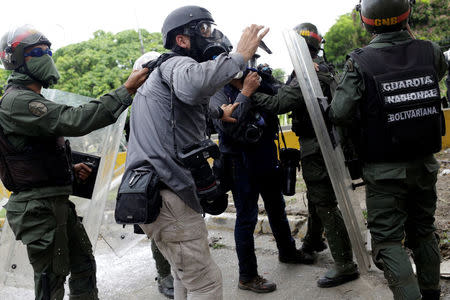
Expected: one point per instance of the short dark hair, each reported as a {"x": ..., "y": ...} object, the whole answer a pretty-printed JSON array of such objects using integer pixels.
[{"x": 172, "y": 36}]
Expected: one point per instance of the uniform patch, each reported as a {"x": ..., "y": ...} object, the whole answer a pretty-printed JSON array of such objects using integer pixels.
[{"x": 37, "y": 108}]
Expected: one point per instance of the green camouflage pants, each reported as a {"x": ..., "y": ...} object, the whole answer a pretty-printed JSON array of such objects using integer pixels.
[
  {"x": 399, "y": 208},
  {"x": 57, "y": 245},
  {"x": 324, "y": 215}
]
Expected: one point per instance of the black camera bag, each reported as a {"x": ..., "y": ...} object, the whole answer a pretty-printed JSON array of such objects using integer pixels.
[{"x": 138, "y": 199}]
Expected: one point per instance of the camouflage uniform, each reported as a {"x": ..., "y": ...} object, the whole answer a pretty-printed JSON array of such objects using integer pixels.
[
  {"x": 43, "y": 218},
  {"x": 401, "y": 195}
]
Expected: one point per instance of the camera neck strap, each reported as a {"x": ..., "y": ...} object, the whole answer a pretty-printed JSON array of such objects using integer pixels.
[
  {"x": 173, "y": 122},
  {"x": 172, "y": 115},
  {"x": 282, "y": 136}
]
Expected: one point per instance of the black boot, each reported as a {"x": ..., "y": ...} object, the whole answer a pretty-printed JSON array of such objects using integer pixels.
[
  {"x": 430, "y": 294},
  {"x": 165, "y": 286},
  {"x": 297, "y": 257},
  {"x": 344, "y": 268}
]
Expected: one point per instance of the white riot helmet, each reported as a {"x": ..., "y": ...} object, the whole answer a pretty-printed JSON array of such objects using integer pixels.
[{"x": 145, "y": 58}]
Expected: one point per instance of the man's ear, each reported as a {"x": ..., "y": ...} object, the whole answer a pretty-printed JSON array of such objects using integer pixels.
[{"x": 183, "y": 41}]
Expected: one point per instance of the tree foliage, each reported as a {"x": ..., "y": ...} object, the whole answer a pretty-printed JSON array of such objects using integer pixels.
[
  {"x": 344, "y": 36},
  {"x": 431, "y": 20},
  {"x": 3, "y": 77},
  {"x": 279, "y": 74},
  {"x": 103, "y": 63}
]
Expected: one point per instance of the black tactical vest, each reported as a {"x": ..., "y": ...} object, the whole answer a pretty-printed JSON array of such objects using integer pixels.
[
  {"x": 301, "y": 122},
  {"x": 42, "y": 162},
  {"x": 401, "y": 111}
]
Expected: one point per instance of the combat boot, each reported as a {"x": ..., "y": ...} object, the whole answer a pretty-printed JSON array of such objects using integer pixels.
[
  {"x": 344, "y": 268},
  {"x": 165, "y": 286},
  {"x": 315, "y": 246},
  {"x": 339, "y": 274},
  {"x": 430, "y": 294},
  {"x": 297, "y": 257}
]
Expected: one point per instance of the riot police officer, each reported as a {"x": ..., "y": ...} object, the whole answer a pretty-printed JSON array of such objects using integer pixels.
[
  {"x": 322, "y": 204},
  {"x": 391, "y": 88},
  {"x": 35, "y": 163}
]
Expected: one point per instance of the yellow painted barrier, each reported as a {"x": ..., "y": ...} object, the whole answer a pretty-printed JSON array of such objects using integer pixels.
[{"x": 446, "y": 138}]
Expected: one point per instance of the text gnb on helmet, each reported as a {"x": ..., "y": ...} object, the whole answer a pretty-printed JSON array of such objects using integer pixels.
[{"x": 379, "y": 16}]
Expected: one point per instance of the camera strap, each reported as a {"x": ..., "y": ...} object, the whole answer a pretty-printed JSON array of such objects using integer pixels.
[
  {"x": 282, "y": 136},
  {"x": 172, "y": 114}
]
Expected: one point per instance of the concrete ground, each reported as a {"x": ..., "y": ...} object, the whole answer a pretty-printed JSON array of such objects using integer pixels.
[{"x": 132, "y": 276}]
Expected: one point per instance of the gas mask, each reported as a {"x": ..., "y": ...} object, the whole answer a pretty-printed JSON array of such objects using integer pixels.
[{"x": 206, "y": 41}]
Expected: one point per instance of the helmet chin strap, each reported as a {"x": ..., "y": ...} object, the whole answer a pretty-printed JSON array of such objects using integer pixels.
[{"x": 408, "y": 28}]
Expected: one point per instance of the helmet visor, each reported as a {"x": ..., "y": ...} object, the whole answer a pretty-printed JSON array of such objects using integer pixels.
[{"x": 25, "y": 34}]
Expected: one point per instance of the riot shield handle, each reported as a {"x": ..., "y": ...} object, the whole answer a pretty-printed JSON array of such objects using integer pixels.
[{"x": 324, "y": 107}]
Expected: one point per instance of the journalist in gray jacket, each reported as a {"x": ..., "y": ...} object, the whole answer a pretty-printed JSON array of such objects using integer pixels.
[{"x": 162, "y": 124}]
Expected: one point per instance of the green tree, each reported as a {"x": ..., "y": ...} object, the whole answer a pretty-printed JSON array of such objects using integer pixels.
[
  {"x": 3, "y": 77},
  {"x": 279, "y": 74},
  {"x": 102, "y": 63},
  {"x": 430, "y": 20},
  {"x": 344, "y": 36}
]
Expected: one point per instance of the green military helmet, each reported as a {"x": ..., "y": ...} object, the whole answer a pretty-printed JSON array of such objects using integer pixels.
[
  {"x": 14, "y": 43},
  {"x": 311, "y": 34},
  {"x": 380, "y": 16}
]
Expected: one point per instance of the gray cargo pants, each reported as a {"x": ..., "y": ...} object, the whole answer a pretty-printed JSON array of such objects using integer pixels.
[{"x": 181, "y": 235}]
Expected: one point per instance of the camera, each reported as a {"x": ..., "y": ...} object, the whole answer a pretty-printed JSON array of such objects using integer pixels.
[
  {"x": 290, "y": 161},
  {"x": 254, "y": 128},
  {"x": 194, "y": 157}
]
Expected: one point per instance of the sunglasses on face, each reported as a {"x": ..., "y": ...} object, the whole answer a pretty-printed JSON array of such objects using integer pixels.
[{"x": 38, "y": 52}]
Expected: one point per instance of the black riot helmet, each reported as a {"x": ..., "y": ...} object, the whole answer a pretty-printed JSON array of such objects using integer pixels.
[
  {"x": 181, "y": 17},
  {"x": 14, "y": 42},
  {"x": 379, "y": 16},
  {"x": 311, "y": 34}
]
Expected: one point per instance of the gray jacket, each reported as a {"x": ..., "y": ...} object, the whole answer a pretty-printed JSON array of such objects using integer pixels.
[{"x": 151, "y": 133}]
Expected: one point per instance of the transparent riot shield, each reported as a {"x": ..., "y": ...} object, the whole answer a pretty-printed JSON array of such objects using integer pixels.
[
  {"x": 15, "y": 269},
  {"x": 333, "y": 156}
]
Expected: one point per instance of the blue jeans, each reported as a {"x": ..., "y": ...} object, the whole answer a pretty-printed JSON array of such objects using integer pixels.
[{"x": 246, "y": 187}]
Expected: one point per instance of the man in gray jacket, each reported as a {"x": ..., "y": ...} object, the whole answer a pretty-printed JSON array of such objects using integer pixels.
[{"x": 168, "y": 114}]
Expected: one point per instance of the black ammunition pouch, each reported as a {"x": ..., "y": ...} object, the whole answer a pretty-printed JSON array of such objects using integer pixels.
[{"x": 401, "y": 113}]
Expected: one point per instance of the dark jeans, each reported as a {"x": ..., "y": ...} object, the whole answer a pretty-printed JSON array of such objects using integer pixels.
[{"x": 246, "y": 187}]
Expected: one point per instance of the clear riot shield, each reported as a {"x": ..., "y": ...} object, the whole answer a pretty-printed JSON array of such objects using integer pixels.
[
  {"x": 15, "y": 269},
  {"x": 333, "y": 156}
]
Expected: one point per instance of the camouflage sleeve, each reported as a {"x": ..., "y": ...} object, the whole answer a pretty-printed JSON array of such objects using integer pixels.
[
  {"x": 287, "y": 99},
  {"x": 348, "y": 93},
  {"x": 30, "y": 114}
]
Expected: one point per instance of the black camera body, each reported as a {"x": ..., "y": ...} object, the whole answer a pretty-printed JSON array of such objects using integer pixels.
[
  {"x": 195, "y": 158},
  {"x": 290, "y": 161}
]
